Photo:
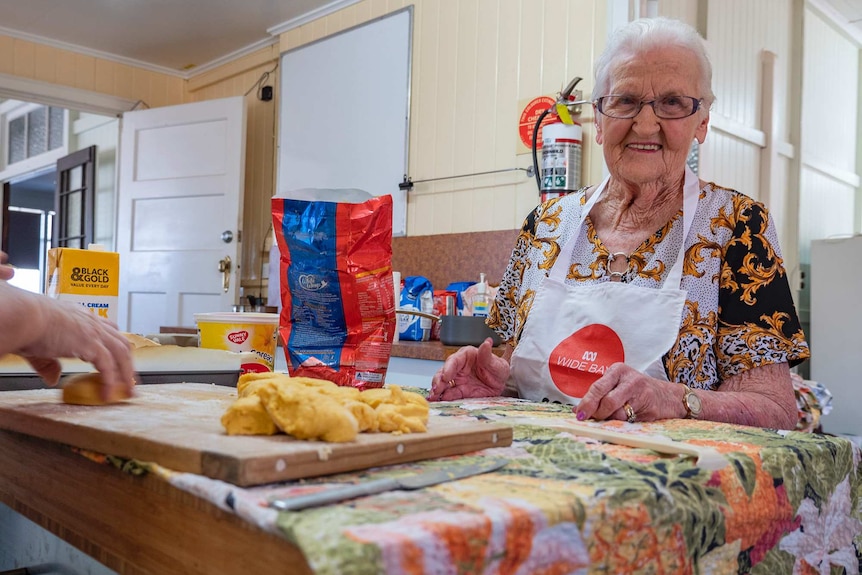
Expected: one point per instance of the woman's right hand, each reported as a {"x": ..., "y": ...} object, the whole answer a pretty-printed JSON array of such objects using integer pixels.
[{"x": 470, "y": 372}]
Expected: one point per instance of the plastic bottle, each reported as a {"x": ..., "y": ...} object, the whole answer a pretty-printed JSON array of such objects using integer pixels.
[{"x": 481, "y": 300}]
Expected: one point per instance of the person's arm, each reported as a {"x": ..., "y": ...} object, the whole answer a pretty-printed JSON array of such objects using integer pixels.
[
  {"x": 761, "y": 396},
  {"x": 42, "y": 329},
  {"x": 759, "y": 336}
]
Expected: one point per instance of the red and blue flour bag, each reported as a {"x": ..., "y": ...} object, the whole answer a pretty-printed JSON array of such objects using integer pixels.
[{"x": 338, "y": 304}]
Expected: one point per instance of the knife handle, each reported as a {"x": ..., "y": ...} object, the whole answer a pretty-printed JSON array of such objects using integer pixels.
[{"x": 334, "y": 495}]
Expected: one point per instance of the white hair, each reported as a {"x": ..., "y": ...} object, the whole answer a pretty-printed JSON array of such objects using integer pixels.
[{"x": 646, "y": 34}]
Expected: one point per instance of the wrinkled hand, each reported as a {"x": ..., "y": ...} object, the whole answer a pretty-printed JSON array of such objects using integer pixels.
[
  {"x": 650, "y": 399},
  {"x": 6, "y": 271},
  {"x": 71, "y": 331},
  {"x": 470, "y": 372}
]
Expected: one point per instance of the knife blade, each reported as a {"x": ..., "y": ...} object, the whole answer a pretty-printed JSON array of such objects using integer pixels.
[{"x": 408, "y": 482}]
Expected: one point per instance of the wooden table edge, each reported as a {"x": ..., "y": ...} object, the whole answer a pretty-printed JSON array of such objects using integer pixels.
[{"x": 132, "y": 525}]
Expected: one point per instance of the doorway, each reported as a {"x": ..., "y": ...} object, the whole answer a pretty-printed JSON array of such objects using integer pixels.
[
  {"x": 27, "y": 224},
  {"x": 29, "y": 186}
]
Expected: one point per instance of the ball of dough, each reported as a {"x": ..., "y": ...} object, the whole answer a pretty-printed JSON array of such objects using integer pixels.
[{"x": 86, "y": 389}]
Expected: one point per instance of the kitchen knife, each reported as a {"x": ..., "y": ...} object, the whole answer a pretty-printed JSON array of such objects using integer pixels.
[{"x": 408, "y": 482}]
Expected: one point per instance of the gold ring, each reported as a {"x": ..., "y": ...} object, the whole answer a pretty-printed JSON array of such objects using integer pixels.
[
  {"x": 451, "y": 383},
  {"x": 630, "y": 413}
]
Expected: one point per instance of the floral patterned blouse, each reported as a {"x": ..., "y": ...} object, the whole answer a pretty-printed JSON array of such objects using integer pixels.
[{"x": 739, "y": 312}]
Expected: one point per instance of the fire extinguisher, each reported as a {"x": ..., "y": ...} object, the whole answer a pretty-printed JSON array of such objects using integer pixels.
[
  {"x": 561, "y": 159},
  {"x": 562, "y": 144}
]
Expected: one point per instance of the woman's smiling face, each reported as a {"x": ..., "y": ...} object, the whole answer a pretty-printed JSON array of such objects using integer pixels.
[{"x": 647, "y": 149}]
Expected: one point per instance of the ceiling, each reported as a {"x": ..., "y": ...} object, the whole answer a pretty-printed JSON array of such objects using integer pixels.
[
  {"x": 178, "y": 36},
  {"x": 845, "y": 13},
  {"x": 186, "y": 37}
]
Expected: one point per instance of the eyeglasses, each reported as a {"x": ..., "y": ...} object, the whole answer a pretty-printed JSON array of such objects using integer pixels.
[{"x": 666, "y": 107}]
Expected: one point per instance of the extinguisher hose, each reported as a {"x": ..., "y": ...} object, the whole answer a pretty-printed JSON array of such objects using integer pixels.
[{"x": 536, "y": 170}]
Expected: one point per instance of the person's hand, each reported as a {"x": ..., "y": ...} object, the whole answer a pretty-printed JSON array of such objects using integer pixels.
[
  {"x": 647, "y": 398},
  {"x": 68, "y": 330},
  {"x": 470, "y": 372},
  {"x": 6, "y": 271}
]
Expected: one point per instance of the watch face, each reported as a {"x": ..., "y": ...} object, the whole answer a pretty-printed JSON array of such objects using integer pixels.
[{"x": 693, "y": 402}]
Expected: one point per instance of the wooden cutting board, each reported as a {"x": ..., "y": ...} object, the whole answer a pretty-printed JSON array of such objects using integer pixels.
[{"x": 178, "y": 426}]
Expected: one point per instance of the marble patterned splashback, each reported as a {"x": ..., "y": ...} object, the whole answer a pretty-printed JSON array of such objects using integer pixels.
[{"x": 446, "y": 258}]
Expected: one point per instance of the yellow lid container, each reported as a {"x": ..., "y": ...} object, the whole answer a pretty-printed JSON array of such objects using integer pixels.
[{"x": 240, "y": 331}]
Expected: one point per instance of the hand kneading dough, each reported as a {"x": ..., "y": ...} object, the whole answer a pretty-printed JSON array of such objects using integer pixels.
[{"x": 86, "y": 389}]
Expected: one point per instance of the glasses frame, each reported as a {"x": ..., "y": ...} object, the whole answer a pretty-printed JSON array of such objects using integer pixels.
[{"x": 697, "y": 103}]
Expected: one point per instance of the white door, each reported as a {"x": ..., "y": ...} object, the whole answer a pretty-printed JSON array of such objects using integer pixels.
[{"x": 179, "y": 212}]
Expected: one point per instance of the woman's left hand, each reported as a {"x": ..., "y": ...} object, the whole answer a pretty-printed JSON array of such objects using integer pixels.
[{"x": 626, "y": 394}]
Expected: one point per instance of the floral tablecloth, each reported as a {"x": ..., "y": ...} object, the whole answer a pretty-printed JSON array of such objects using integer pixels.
[{"x": 786, "y": 502}]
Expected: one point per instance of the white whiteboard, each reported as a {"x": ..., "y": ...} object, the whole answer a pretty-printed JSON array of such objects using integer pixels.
[{"x": 344, "y": 112}]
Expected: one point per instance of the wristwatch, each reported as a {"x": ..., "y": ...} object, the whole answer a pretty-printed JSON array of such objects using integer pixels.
[{"x": 692, "y": 403}]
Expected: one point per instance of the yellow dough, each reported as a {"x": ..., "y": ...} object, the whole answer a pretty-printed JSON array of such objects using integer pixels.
[
  {"x": 247, "y": 416},
  {"x": 260, "y": 387},
  {"x": 309, "y": 408},
  {"x": 306, "y": 413},
  {"x": 86, "y": 389},
  {"x": 398, "y": 411}
]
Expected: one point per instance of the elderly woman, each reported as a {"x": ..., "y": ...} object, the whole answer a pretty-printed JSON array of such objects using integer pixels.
[{"x": 653, "y": 295}]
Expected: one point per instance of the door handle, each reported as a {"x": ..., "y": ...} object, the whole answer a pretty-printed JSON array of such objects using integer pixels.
[{"x": 224, "y": 267}]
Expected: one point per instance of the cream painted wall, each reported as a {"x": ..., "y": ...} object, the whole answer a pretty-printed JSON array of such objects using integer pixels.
[
  {"x": 747, "y": 132},
  {"x": 474, "y": 64},
  {"x": 50, "y": 65},
  {"x": 55, "y": 66},
  {"x": 243, "y": 77},
  {"x": 829, "y": 176}
]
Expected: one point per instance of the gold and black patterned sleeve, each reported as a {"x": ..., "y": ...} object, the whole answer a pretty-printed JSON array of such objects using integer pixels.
[{"x": 757, "y": 323}]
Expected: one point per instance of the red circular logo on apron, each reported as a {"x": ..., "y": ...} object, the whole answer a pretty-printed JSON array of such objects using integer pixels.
[{"x": 582, "y": 358}]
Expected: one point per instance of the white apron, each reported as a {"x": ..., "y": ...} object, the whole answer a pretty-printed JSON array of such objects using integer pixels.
[{"x": 573, "y": 334}]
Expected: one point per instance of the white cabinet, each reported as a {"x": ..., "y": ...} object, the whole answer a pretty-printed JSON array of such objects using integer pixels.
[{"x": 836, "y": 340}]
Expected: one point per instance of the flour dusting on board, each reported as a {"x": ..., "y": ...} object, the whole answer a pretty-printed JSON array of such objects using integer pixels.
[{"x": 178, "y": 426}]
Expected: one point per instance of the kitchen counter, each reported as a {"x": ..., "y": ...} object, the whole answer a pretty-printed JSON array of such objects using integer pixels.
[
  {"x": 412, "y": 363},
  {"x": 430, "y": 350}
]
